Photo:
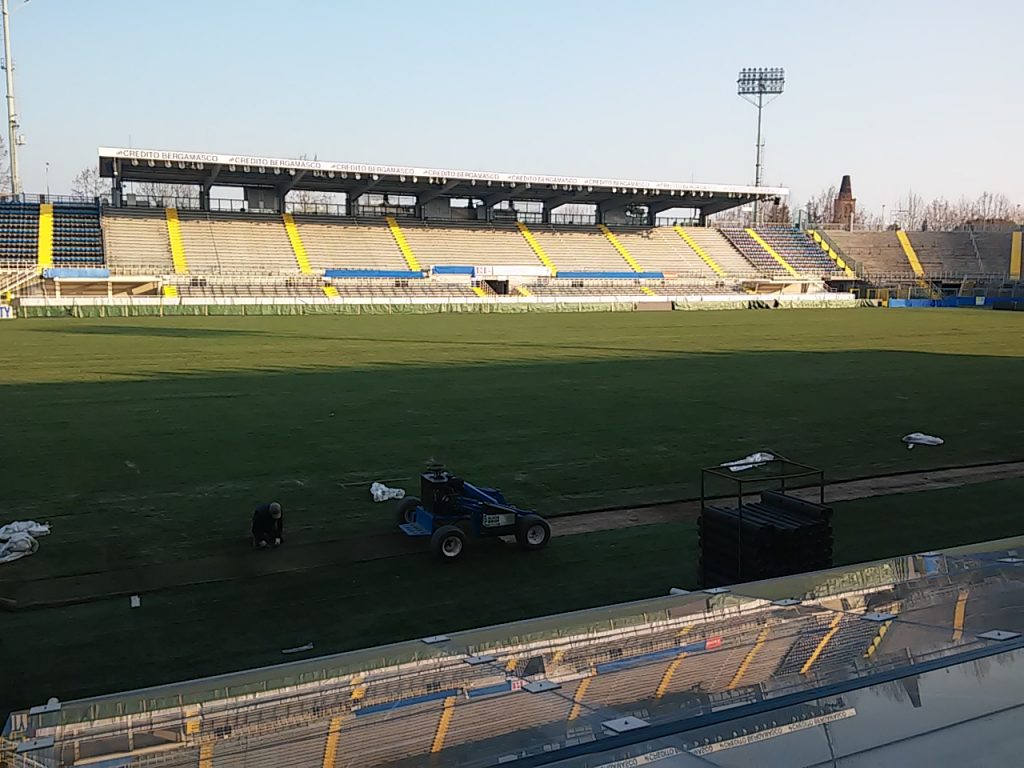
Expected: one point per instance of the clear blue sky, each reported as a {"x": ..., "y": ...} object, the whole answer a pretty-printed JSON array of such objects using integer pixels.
[{"x": 907, "y": 93}]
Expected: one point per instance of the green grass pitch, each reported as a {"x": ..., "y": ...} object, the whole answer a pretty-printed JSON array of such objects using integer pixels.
[{"x": 147, "y": 442}]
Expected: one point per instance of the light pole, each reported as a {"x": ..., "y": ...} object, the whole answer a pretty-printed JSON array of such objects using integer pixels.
[
  {"x": 754, "y": 84},
  {"x": 12, "y": 113}
]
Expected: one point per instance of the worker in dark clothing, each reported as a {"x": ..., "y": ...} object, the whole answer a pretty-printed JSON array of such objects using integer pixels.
[{"x": 268, "y": 526}]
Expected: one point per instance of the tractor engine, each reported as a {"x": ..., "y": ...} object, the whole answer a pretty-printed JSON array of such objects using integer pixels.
[{"x": 439, "y": 491}]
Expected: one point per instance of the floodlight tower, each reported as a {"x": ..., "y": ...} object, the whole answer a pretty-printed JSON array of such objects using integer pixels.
[
  {"x": 755, "y": 84},
  {"x": 12, "y": 115}
]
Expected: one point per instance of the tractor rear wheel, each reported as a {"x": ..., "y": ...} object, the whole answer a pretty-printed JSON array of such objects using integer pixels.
[
  {"x": 448, "y": 543},
  {"x": 532, "y": 532},
  {"x": 407, "y": 510}
]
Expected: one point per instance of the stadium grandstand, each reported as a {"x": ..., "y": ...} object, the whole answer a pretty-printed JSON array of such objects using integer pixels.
[
  {"x": 845, "y": 667},
  {"x": 429, "y": 237}
]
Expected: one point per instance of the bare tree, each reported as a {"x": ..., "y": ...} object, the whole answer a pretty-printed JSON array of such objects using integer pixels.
[
  {"x": 940, "y": 215},
  {"x": 307, "y": 201},
  {"x": 992, "y": 206},
  {"x": 776, "y": 213},
  {"x": 909, "y": 213},
  {"x": 89, "y": 183},
  {"x": 867, "y": 220},
  {"x": 820, "y": 208},
  {"x": 169, "y": 195}
]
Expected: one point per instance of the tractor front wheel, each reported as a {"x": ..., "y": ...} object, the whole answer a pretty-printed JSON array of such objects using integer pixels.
[
  {"x": 448, "y": 543},
  {"x": 407, "y": 510},
  {"x": 532, "y": 532}
]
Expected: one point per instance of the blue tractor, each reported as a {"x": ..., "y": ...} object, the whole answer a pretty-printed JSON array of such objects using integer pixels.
[{"x": 450, "y": 510}]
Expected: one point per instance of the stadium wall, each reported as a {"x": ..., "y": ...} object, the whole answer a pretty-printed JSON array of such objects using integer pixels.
[{"x": 153, "y": 307}]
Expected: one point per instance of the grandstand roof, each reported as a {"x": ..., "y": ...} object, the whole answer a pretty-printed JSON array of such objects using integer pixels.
[
  {"x": 163, "y": 166},
  {"x": 864, "y": 662}
]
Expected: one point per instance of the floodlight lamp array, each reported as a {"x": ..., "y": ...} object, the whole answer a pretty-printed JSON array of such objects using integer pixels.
[{"x": 761, "y": 80}]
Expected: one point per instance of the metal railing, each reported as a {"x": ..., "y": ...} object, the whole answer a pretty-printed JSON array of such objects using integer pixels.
[
  {"x": 572, "y": 219},
  {"x": 36, "y": 199}
]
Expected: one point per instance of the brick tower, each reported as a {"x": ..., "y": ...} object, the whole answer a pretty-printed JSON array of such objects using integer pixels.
[{"x": 845, "y": 205}]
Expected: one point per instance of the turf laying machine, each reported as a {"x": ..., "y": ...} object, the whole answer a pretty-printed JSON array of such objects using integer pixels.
[{"x": 450, "y": 511}]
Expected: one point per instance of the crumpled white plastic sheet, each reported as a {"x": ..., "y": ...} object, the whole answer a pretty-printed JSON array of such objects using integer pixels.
[
  {"x": 381, "y": 492},
  {"x": 919, "y": 438},
  {"x": 19, "y": 545},
  {"x": 18, "y": 540},
  {"x": 31, "y": 527},
  {"x": 758, "y": 459}
]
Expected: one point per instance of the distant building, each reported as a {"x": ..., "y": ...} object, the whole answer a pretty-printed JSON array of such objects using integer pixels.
[{"x": 846, "y": 204}]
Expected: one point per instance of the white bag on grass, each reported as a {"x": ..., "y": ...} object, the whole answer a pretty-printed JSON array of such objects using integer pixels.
[
  {"x": 31, "y": 527},
  {"x": 17, "y": 546},
  {"x": 919, "y": 438},
  {"x": 381, "y": 492}
]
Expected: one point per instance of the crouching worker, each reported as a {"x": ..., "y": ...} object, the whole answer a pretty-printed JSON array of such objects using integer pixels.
[{"x": 268, "y": 526}]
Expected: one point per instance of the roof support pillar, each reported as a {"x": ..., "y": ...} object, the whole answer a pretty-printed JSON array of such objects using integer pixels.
[{"x": 116, "y": 199}]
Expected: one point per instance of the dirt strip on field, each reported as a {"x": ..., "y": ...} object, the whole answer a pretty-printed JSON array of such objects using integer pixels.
[
  {"x": 884, "y": 485},
  {"x": 327, "y": 553}
]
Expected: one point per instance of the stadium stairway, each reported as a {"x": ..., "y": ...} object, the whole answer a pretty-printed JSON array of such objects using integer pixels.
[
  {"x": 744, "y": 241},
  {"x": 829, "y": 251},
  {"x": 301, "y": 257},
  {"x": 44, "y": 247},
  {"x": 618, "y": 246},
  {"x": 915, "y": 264},
  {"x": 403, "y": 245},
  {"x": 349, "y": 245},
  {"x": 13, "y": 280},
  {"x": 762, "y": 638},
  {"x": 578, "y": 250},
  {"x": 809, "y": 644},
  {"x": 947, "y": 253},
  {"x": 716, "y": 244},
  {"x": 474, "y": 243},
  {"x": 137, "y": 241},
  {"x": 659, "y": 249},
  {"x": 996, "y": 252},
  {"x": 713, "y": 265},
  {"x": 797, "y": 249},
  {"x": 177, "y": 246},
  {"x": 878, "y": 253},
  {"x": 537, "y": 248},
  {"x": 218, "y": 243},
  {"x": 767, "y": 247},
  {"x": 910, "y": 253},
  {"x": 1015, "y": 255}
]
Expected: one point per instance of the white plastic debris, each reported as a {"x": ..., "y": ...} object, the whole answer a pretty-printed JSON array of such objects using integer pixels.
[
  {"x": 17, "y": 546},
  {"x": 299, "y": 648},
  {"x": 749, "y": 462},
  {"x": 919, "y": 438},
  {"x": 134, "y": 601},
  {"x": 18, "y": 540},
  {"x": 31, "y": 527},
  {"x": 381, "y": 492}
]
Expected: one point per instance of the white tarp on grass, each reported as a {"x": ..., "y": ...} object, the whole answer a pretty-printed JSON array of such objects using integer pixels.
[{"x": 18, "y": 540}]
